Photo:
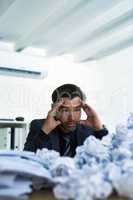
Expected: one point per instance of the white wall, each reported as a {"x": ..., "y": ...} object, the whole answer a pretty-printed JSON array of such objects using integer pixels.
[
  {"x": 20, "y": 97},
  {"x": 117, "y": 80},
  {"x": 106, "y": 82}
]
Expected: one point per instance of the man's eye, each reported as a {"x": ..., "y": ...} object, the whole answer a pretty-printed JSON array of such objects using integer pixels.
[{"x": 65, "y": 110}]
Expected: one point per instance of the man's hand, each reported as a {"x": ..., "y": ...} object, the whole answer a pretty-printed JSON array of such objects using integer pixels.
[
  {"x": 92, "y": 117},
  {"x": 51, "y": 122}
]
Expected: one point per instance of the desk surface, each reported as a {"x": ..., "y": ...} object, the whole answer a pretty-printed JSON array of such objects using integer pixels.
[
  {"x": 48, "y": 195},
  {"x": 42, "y": 195}
]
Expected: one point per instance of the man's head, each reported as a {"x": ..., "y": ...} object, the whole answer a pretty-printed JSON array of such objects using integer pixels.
[
  {"x": 70, "y": 111},
  {"x": 67, "y": 90}
]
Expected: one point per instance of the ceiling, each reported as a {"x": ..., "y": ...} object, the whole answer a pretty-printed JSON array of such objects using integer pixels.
[{"x": 88, "y": 29}]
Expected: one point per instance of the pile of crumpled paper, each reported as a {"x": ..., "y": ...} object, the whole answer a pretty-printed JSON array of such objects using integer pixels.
[
  {"x": 102, "y": 167},
  {"x": 99, "y": 168}
]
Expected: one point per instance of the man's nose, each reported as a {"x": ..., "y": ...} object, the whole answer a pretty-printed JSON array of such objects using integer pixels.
[{"x": 71, "y": 115}]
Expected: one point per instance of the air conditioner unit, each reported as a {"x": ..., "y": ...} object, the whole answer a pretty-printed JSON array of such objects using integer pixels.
[{"x": 25, "y": 72}]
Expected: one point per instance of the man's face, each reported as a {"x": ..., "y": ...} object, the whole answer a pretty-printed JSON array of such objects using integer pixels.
[{"x": 70, "y": 113}]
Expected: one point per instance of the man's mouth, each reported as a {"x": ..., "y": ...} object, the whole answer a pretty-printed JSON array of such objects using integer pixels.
[{"x": 71, "y": 124}]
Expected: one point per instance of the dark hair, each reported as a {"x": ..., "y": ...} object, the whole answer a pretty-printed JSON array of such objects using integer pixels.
[{"x": 67, "y": 90}]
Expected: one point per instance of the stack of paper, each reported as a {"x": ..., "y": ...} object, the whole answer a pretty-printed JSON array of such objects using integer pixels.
[{"x": 20, "y": 172}]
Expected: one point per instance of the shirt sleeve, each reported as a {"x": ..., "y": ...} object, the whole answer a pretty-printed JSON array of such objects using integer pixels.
[
  {"x": 36, "y": 138},
  {"x": 101, "y": 133}
]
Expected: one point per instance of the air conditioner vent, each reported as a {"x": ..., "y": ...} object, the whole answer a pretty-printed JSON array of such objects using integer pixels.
[{"x": 23, "y": 72}]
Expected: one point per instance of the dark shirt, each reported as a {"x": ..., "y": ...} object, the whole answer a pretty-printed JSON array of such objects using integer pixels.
[{"x": 37, "y": 139}]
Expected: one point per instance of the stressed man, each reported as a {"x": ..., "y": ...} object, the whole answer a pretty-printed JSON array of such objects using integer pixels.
[{"x": 63, "y": 130}]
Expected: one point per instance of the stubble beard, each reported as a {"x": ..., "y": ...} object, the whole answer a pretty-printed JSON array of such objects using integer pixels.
[{"x": 66, "y": 128}]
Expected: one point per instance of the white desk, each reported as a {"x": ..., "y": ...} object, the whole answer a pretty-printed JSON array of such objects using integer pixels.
[{"x": 12, "y": 124}]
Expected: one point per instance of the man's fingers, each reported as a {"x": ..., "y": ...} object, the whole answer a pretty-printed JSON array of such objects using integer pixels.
[
  {"x": 57, "y": 105},
  {"x": 58, "y": 122},
  {"x": 53, "y": 114},
  {"x": 54, "y": 111},
  {"x": 88, "y": 110},
  {"x": 85, "y": 106}
]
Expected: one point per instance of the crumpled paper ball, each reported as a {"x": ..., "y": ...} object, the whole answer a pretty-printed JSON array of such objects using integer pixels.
[
  {"x": 72, "y": 187},
  {"x": 92, "y": 153},
  {"x": 124, "y": 184},
  {"x": 83, "y": 185},
  {"x": 48, "y": 157},
  {"x": 130, "y": 121},
  {"x": 63, "y": 166}
]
